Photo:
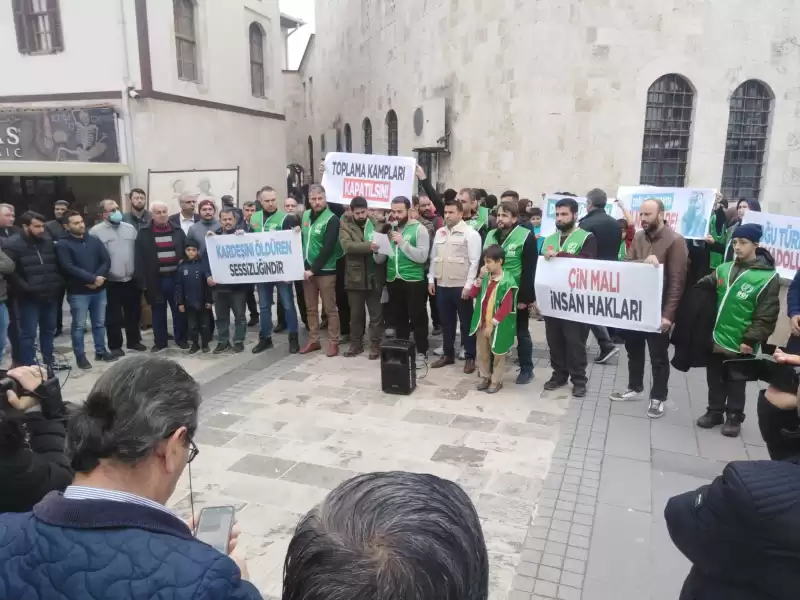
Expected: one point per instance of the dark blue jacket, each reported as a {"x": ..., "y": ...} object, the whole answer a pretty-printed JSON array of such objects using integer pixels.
[
  {"x": 82, "y": 260},
  {"x": 191, "y": 288},
  {"x": 97, "y": 549},
  {"x": 792, "y": 309}
]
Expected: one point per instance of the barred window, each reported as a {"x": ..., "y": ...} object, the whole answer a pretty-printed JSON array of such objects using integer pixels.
[
  {"x": 667, "y": 132},
  {"x": 311, "y": 169},
  {"x": 746, "y": 146},
  {"x": 257, "y": 81},
  {"x": 366, "y": 127},
  {"x": 391, "y": 133},
  {"x": 185, "y": 39},
  {"x": 38, "y": 26},
  {"x": 348, "y": 138},
  {"x": 338, "y": 140}
]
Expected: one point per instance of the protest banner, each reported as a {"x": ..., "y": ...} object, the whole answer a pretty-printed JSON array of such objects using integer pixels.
[
  {"x": 782, "y": 239},
  {"x": 373, "y": 176},
  {"x": 625, "y": 295},
  {"x": 256, "y": 257},
  {"x": 686, "y": 210},
  {"x": 549, "y": 211}
]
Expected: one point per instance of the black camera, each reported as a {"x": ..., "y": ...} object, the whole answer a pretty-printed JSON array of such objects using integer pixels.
[
  {"x": 763, "y": 368},
  {"x": 8, "y": 384}
]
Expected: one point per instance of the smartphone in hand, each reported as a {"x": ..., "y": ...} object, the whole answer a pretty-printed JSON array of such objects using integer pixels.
[{"x": 214, "y": 526}]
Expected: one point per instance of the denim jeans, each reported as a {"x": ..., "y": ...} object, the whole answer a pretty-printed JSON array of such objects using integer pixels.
[
  {"x": 225, "y": 302},
  {"x": 265, "y": 292},
  {"x": 167, "y": 285},
  {"x": 33, "y": 314},
  {"x": 93, "y": 306},
  {"x": 3, "y": 329}
]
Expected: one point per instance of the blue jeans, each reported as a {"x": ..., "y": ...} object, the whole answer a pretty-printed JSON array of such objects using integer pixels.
[
  {"x": 451, "y": 306},
  {"x": 93, "y": 306},
  {"x": 3, "y": 329},
  {"x": 31, "y": 315},
  {"x": 286, "y": 298},
  {"x": 167, "y": 287}
]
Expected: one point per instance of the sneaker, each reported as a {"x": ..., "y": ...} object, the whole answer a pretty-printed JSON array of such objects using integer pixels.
[
  {"x": 118, "y": 352},
  {"x": 139, "y": 347},
  {"x": 625, "y": 396},
  {"x": 205, "y": 349},
  {"x": 438, "y": 351},
  {"x": 553, "y": 384},
  {"x": 604, "y": 356},
  {"x": 157, "y": 348},
  {"x": 711, "y": 419},
  {"x": 106, "y": 356},
  {"x": 183, "y": 345},
  {"x": 83, "y": 363},
  {"x": 656, "y": 409},
  {"x": 578, "y": 391},
  {"x": 390, "y": 332},
  {"x": 263, "y": 344},
  {"x": 525, "y": 376},
  {"x": 422, "y": 360},
  {"x": 221, "y": 348},
  {"x": 238, "y": 347},
  {"x": 733, "y": 425},
  {"x": 354, "y": 350},
  {"x": 195, "y": 348}
]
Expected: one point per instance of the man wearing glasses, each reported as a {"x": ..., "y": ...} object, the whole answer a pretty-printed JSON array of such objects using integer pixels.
[{"x": 188, "y": 215}]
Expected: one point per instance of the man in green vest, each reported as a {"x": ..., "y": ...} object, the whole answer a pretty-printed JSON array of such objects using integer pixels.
[
  {"x": 747, "y": 311},
  {"x": 269, "y": 218},
  {"x": 566, "y": 338},
  {"x": 321, "y": 250},
  {"x": 519, "y": 245},
  {"x": 363, "y": 279},
  {"x": 405, "y": 275}
]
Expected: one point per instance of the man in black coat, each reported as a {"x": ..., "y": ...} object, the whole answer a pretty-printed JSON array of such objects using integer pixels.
[
  {"x": 36, "y": 284},
  {"x": 741, "y": 531},
  {"x": 606, "y": 231}
]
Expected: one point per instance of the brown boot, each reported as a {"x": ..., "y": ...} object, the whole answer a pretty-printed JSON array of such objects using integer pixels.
[
  {"x": 483, "y": 385},
  {"x": 442, "y": 361},
  {"x": 354, "y": 350},
  {"x": 375, "y": 351},
  {"x": 333, "y": 349},
  {"x": 469, "y": 366},
  {"x": 310, "y": 347}
]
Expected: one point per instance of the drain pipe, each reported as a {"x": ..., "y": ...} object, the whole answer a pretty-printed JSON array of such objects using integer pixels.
[{"x": 127, "y": 116}]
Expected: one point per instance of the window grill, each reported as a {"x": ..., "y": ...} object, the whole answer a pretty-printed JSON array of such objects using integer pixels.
[
  {"x": 391, "y": 133},
  {"x": 667, "y": 132},
  {"x": 348, "y": 138},
  {"x": 257, "y": 82},
  {"x": 38, "y": 26},
  {"x": 311, "y": 169},
  {"x": 185, "y": 40},
  {"x": 366, "y": 126}
]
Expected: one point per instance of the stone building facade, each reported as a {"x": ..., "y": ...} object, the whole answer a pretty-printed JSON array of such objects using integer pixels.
[{"x": 546, "y": 95}]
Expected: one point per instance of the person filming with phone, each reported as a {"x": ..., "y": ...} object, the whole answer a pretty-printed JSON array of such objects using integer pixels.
[
  {"x": 32, "y": 433},
  {"x": 109, "y": 534},
  {"x": 747, "y": 291},
  {"x": 741, "y": 531}
]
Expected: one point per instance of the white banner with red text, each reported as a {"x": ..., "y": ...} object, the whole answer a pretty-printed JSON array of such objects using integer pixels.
[
  {"x": 781, "y": 236},
  {"x": 686, "y": 210},
  {"x": 255, "y": 257},
  {"x": 549, "y": 211},
  {"x": 375, "y": 177},
  {"x": 625, "y": 295}
]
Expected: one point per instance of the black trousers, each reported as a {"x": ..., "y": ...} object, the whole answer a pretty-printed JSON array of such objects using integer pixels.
[
  {"x": 123, "y": 309},
  {"x": 13, "y": 331},
  {"x": 567, "y": 341},
  {"x": 60, "y": 309},
  {"x": 437, "y": 322},
  {"x": 342, "y": 301},
  {"x": 408, "y": 302},
  {"x": 723, "y": 396},
  {"x": 252, "y": 304},
  {"x": 658, "y": 345},
  {"x": 199, "y": 325}
]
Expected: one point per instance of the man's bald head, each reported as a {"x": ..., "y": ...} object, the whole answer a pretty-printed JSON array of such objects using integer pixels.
[{"x": 651, "y": 215}]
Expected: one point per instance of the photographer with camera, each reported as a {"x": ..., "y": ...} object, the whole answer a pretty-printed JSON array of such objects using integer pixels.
[
  {"x": 741, "y": 531},
  {"x": 32, "y": 433}
]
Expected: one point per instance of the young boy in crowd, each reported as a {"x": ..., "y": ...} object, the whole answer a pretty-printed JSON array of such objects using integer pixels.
[
  {"x": 494, "y": 320},
  {"x": 536, "y": 222},
  {"x": 193, "y": 297}
]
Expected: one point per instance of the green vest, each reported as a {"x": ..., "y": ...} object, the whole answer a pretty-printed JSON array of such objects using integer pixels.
[
  {"x": 736, "y": 303},
  {"x": 399, "y": 265},
  {"x": 717, "y": 258},
  {"x": 312, "y": 239},
  {"x": 480, "y": 220},
  {"x": 274, "y": 223},
  {"x": 623, "y": 251},
  {"x": 506, "y": 331},
  {"x": 572, "y": 245},
  {"x": 512, "y": 246}
]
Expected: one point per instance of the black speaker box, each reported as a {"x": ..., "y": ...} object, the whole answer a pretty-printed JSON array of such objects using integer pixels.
[{"x": 398, "y": 367}]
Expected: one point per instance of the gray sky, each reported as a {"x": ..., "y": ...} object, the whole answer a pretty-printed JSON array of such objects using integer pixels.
[{"x": 303, "y": 10}]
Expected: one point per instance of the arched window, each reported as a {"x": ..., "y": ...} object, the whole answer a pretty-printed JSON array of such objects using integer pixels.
[
  {"x": 748, "y": 127},
  {"x": 391, "y": 133},
  {"x": 257, "y": 82},
  {"x": 348, "y": 138},
  {"x": 185, "y": 39},
  {"x": 311, "y": 169},
  {"x": 366, "y": 128},
  {"x": 338, "y": 140},
  {"x": 667, "y": 132},
  {"x": 38, "y": 25}
]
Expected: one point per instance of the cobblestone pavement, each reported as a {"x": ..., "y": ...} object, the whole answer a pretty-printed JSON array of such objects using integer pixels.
[{"x": 570, "y": 491}]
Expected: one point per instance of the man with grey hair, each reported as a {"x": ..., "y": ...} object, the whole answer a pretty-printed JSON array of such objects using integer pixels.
[
  {"x": 128, "y": 444},
  {"x": 385, "y": 536},
  {"x": 123, "y": 307},
  {"x": 188, "y": 215},
  {"x": 7, "y": 217}
]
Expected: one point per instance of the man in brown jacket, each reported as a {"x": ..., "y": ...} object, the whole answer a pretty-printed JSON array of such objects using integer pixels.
[{"x": 656, "y": 244}]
